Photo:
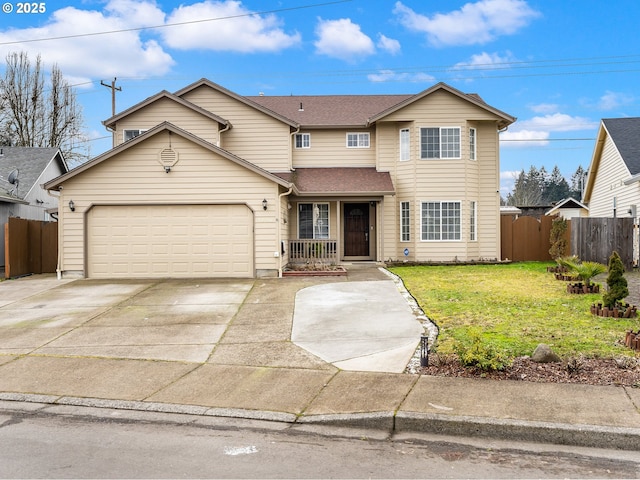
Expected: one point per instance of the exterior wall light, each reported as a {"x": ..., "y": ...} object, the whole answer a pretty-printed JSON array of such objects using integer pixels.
[
  {"x": 167, "y": 168},
  {"x": 264, "y": 204},
  {"x": 72, "y": 206}
]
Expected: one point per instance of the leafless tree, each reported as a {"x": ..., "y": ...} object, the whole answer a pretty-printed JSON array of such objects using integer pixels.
[{"x": 37, "y": 113}]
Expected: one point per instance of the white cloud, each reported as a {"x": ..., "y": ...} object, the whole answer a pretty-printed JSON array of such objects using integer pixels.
[
  {"x": 558, "y": 122},
  {"x": 524, "y": 138},
  {"x": 613, "y": 100},
  {"x": 486, "y": 61},
  {"x": 388, "y": 44},
  {"x": 473, "y": 23},
  {"x": 236, "y": 31},
  {"x": 544, "y": 108},
  {"x": 537, "y": 130},
  {"x": 342, "y": 39},
  {"x": 392, "y": 76},
  {"x": 95, "y": 56}
]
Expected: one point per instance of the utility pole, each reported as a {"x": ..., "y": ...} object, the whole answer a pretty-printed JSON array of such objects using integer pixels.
[{"x": 113, "y": 93}]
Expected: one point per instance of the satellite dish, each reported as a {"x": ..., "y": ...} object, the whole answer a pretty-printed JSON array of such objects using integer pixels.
[{"x": 13, "y": 177}]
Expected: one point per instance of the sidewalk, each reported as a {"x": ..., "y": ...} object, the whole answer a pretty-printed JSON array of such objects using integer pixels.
[{"x": 238, "y": 361}]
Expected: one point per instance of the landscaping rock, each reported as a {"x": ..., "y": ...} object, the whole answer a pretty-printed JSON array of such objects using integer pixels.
[{"x": 544, "y": 354}]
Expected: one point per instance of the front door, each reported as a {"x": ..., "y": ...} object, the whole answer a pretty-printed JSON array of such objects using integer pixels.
[{"x": 356, "y": 229}]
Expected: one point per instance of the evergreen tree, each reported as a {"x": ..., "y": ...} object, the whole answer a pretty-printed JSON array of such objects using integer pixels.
[
  {"x": 578, "y": 181},
  {"x": 556, "y": 187}
]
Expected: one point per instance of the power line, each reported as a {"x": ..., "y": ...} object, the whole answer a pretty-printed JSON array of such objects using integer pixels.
[{"x": 190, "y": 22}]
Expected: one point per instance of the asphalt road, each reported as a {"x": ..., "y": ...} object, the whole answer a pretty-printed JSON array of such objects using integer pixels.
[{"x": 103, "y": 443}]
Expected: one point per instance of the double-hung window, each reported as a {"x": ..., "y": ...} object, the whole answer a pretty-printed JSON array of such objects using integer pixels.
[
  {"x": 129, "y": 134},
  {"x": 405, "y": 145},
  {"x": 303, "y": 140},
  {"x": 439, "y": 142},
  {"x": 405, "y": 222},
  {"x": 472, "y": 143},
  {"x": 440, "y": 221},
  {"x": 358, "y": 140},
  {"x": 313, "y": 220},
  {"x": 473, "y": 222}
]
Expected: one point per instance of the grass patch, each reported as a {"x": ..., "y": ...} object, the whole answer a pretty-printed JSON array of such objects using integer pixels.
[{"x": 514, "y": 307}]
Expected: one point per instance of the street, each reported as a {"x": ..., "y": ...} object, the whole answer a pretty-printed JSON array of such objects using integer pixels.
[{"x": 104, "y": 443}]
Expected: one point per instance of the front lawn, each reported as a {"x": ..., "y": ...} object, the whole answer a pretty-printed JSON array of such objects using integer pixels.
[{"x": 514, "y": 307}]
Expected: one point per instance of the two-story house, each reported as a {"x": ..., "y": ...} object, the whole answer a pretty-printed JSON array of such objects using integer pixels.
[{"x": 206, "y": 182}]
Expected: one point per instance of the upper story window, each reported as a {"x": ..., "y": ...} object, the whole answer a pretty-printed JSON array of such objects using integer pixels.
[
  {"x": 129, "y": 134},
  {"x": 358, "y": 140},
  {"x": 405, "y": 145},
  {"x": 443, "y": 142},
  {"x": 472, "y": 143},
  {"x": 303, "y": 140}
]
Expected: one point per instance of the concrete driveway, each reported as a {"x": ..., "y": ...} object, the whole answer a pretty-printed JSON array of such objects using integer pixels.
[{"x": 354, "y": 325}]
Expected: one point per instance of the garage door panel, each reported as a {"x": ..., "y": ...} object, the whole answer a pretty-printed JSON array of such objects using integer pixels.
[{"x": 170, "y": 241}]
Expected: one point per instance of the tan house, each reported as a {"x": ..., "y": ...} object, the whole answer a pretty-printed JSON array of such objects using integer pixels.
[{"x": 204, "y": 182}]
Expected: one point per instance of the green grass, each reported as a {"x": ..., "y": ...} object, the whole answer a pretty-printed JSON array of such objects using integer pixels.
[{"x": 515, "y": 306}]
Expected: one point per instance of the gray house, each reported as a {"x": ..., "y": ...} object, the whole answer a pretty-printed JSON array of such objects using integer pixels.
[{"x": 23, "y": 171}]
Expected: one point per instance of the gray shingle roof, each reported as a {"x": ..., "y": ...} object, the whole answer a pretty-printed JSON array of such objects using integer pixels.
[
  {"x": 30, "y": 162},
  {"x": 329, "y": 110},
  {"x": 625, "y": 133}
]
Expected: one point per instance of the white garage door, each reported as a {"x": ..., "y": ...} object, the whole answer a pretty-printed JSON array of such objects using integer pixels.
[{"x": 152, "y": 241}]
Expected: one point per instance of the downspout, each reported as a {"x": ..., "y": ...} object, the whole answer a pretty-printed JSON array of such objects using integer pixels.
[
  {"x": 220, "y": 132},
  {"x": 295, "y": 132},
  {"x": 59, "y": 261},
  {"x": 280, "y": 227}
]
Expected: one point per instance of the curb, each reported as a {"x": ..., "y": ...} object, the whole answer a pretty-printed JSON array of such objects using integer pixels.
[{"x": 407, "y": 423}]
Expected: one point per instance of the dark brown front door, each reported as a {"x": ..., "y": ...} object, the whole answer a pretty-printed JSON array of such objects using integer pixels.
[{"x": 356, "y": 229}]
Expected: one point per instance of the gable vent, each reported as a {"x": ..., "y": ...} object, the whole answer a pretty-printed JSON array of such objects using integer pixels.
[{"x": 168, "y": 157}]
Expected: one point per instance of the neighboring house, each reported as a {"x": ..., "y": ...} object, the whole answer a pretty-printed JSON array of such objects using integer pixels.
[
  {"x": 24, "y": 197},
  {"x": 204, "y": 182},
  {"x": 613, "y": 183},
  {"x": 569, "y": 208}
]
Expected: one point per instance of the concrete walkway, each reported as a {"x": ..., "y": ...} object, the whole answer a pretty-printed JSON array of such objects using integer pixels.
[{"x": 224, "y": 348}]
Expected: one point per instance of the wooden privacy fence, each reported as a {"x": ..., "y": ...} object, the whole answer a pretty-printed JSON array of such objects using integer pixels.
[
  {"x": 527, "y": 238},
  {"x": 594, "y": 239},
  {"x": 31, "y": 246}
]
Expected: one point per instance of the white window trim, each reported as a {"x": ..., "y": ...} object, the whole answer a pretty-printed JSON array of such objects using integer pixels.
[
  {"x": 422, "y": 206},
  {"x": 139, "y": 130},
  {"x": 402, "y": 225},
  {"x": 303, "y": 136},
  {"x": 473, "y": 146},
  {"x": 360, "y": 135},
  {"x": 314, "y": 204},
  {"x": 473, "y": 221},
  {"x": 440, "y": 142},
  {"x": 405, "y": 156}
]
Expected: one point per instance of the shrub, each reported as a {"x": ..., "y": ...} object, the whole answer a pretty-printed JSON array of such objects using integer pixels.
[
  {"x": 617, "y": 289},
  {"x": 556, "y": 238},
  {"x": 474, "y": 352}
]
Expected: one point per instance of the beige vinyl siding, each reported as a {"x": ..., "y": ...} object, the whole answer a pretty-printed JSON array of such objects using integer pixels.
[
  {"x": 329, "y": 149},
  {"x": 609, "y": 184},
  {"x": 167, "y": 110},
  {"x": 254, "y": 136},
  {"x": 135, "y": 177},
  {"x": 422, "y": 180}
]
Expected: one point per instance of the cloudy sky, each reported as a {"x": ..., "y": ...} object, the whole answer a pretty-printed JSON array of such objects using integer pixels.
[{"x": 558, "y": 66}]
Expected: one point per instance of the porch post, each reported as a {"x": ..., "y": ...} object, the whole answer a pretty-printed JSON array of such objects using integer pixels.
[{"x": 339, "y": 239}]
